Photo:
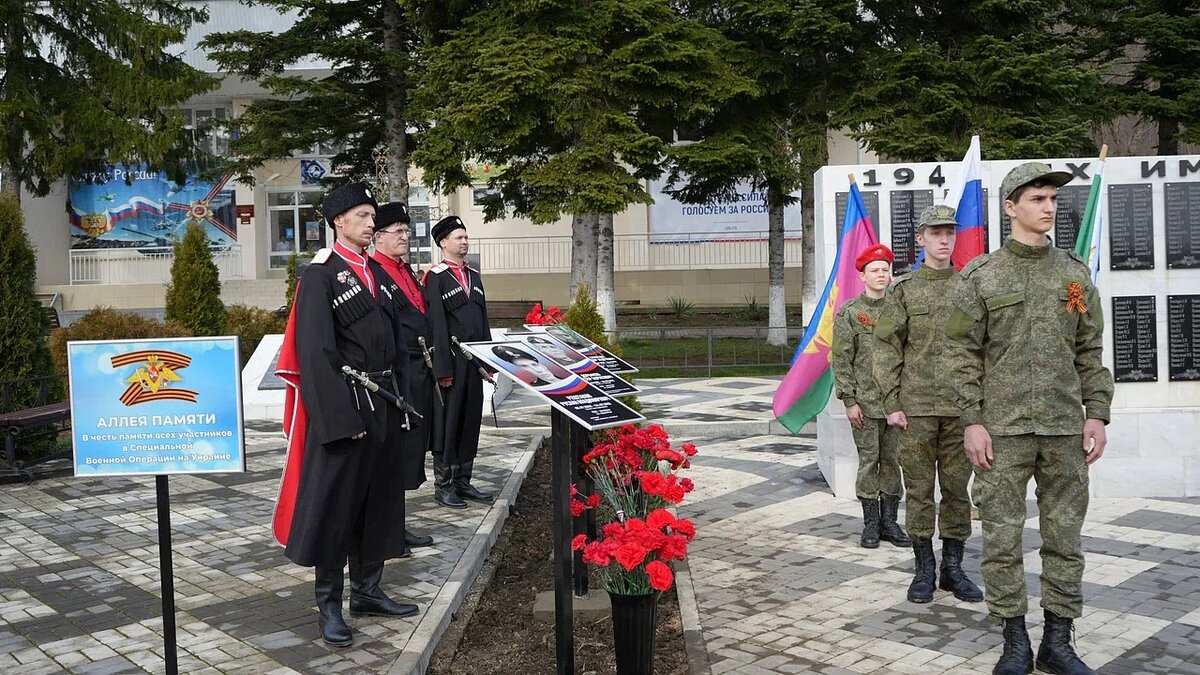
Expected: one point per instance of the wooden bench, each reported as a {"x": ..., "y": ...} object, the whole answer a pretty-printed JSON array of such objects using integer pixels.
[
  {"x": 13, "y": 423},
  {"x": 509, "y": 309}
]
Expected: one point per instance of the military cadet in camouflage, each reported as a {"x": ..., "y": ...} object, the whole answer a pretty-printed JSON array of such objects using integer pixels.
[
  {"x": 913, "y": 375},
  {"x": 1026, "y": 337},
  {"x": 878, "y": 485}
]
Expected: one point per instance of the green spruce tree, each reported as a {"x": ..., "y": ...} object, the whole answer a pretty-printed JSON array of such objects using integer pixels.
[
  {"x": 804, "y": 62},
  {"x": 948, "y": 69},
  {"x": 194, "y": 294},
  {"x": 22, "y": 320},
  {"x": 576, "y": 98},
  {"x": 87, "y": 82},
  {"x": 1148, "y": 50},
  {"x": 363, "y": 102}
]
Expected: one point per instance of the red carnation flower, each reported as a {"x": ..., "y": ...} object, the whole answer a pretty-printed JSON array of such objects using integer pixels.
[
  {"x": 593, "y": 501},
  {"x": 685, "y": 527},
  {"x": 596, "y": 554},
  {"x": 660, "y": 575},
  {"x": 660, "y": 518},
  {"x": 578, "y": 542},
  {"x": 631, "y": 554}
]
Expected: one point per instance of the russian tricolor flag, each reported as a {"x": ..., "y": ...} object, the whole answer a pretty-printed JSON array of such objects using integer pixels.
[{"x": 966, "y": 196}]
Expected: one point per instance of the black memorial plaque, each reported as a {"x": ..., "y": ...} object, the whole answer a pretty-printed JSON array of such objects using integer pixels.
[
  {"x": 1135, "y": 339},
  {"x": 1182, "y": 221},
  {"x": 906, "y": 215},
  {"x": 870, "y": 200},
  {"x": 987, "y": 224},
  {"x": 1072, "y": 205},
  {"x": 1130, "y": 227},
  {"x": 1183, "y": 337}
]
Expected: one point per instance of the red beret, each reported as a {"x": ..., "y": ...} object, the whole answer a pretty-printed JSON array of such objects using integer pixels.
[{"x": 873, "y": 253}]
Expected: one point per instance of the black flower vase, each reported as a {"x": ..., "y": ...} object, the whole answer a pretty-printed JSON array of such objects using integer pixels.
[{"x": 633, "y": 619}]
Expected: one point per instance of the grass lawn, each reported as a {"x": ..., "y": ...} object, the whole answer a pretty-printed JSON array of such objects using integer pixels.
[{"x": 689, "y": 357}]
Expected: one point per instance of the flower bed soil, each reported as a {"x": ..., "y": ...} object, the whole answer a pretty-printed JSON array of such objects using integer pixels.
[{"x": 502, "y": 636}]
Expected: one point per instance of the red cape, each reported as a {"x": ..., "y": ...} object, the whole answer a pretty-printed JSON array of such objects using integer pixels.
[{"x": 295, "y": 428}]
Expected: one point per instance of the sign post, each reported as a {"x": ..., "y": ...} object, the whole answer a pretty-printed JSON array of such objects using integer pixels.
[
  {"x": 565, "y": 375},
  {"x": 157, "y": 407}
]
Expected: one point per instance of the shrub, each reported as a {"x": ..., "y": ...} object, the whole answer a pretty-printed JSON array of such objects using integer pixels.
[
  {"x": 250, "y": 324},
  {"x": 106, "y": 323},
  {"x": 22, "y": 320},
  {"x": 289, "y": 293},
  {"x": 194, "y": 294},
  {"x": 680, "y": 307}
]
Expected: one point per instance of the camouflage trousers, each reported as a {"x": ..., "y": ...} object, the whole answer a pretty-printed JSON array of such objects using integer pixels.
[
  {"x": 1056, "y": 464},
  {"x": 878, "y": 463},
  {"x": 932, "y": 449}
]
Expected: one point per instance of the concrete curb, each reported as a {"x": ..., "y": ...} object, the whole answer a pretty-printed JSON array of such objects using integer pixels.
[
  {"x": 415, "y": 656},
  {"x": 689, "y": 614}
]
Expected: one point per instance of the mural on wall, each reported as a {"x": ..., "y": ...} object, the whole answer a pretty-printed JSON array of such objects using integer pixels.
[{"x": 132, "y": 207}]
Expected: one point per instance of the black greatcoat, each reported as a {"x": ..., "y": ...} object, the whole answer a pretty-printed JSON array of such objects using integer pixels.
[
  {"x": 453, "y": 312},
  {"x": 347, "y": 500},
  {"x": 426, "y": 435}
]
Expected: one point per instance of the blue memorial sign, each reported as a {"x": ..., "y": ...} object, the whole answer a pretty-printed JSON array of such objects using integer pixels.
[{"x": 156, "y": 406}]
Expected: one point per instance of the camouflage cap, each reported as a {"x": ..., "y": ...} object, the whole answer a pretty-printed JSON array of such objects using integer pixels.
[
  {"x": 938, "y": 214},
  {"x": 1030, "y": 172}
]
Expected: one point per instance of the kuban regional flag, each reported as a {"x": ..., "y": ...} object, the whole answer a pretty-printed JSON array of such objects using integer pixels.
[
  {"x": 966, "y": 196},
  {"x": 805, "y": 390},
  {"x": 1087, "y": 241}
]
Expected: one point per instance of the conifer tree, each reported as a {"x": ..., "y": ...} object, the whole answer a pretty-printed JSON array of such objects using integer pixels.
[
  {"x": 947, "y": 69},
  {"x": 194, "y": 294},
  {"x": 362, "y": 103},
  {"x": 576, "y": 98},
  {"x": 1149, "y": 50},
  {"x": 22, "y": 321},
  {"x": 87, "y": 82}
]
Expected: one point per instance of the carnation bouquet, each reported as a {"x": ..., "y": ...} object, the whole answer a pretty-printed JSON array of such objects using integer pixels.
[
  {"x": 539, "y": 318},
  {"x": 636, "y": 475}
]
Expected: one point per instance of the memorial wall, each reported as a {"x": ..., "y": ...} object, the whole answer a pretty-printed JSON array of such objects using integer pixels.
[{"x": 1149, "y": 281}]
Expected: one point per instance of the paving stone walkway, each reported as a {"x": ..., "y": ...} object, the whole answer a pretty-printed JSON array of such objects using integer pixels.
[{"x": 780, "y": 585}]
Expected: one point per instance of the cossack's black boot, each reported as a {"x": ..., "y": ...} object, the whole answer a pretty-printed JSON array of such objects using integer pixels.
[
  {"x": 953, "y": 577},
  {"x": 443, "y": 485},
  {"x": 925, "y": 577},
  {"x": 1017, "y": 658},
  {"x": 1056, "y": 655},
  {"x": 366, "y": 597},
  {"x": 889, "y": 529},
  {"x": 870, "y": 533},
  {"x": 413, "y": 539},
  {"x": 462, "y": 485},
  {"x": 333, "y": 628}
]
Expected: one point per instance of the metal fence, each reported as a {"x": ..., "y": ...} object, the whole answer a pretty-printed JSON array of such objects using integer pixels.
[
  {"x": 707, "y": 351},
  {"x": 148, "y": 265},
  {"x": 631, "y": 252}
]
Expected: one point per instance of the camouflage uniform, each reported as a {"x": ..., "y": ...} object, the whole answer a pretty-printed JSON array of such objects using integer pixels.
[
  {"x": 854, "y": 383},
  {"x": 1026, "y": 365},
  {"x": 913, "y": 373}
]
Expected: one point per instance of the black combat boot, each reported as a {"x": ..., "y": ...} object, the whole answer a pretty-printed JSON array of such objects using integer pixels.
[
  {"x": 870, "y": 533},
  {"x": 889, "y": 529},
  {"x": 366, "y": 597},
  {"x": 332, "y": 626},
  {"x": 1017, "y": 658},
  {"x": 443, "y": 485},
  {"x": 462, "y": 485},
  {"x": 921, "y": 588},
  {"x": 953, "y": 577},
  {"x": 413, "y": 539},
  {"x": 1056, "y": 655}
]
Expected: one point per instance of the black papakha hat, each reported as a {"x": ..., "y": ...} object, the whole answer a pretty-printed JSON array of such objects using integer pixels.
[
  {"x": 391, "y": 212},
  {"x": 444, "y": 227},
  {"x": 345, "y": 198}
]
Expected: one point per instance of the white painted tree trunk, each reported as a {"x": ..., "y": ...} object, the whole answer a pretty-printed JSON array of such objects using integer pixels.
[
  {"x": 583, "y": 253},
  {"x": 776, "y": 288},
  {"x": 808, "y": 270},
  {"x": 606, "y": 292},
  {"x": 396, "y": 126}
]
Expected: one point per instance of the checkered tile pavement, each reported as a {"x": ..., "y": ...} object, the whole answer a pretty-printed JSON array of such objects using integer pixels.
[{"x": 783, "y": 587}]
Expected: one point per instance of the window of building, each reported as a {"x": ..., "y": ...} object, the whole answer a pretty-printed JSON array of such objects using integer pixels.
[
  {"x": 207, "y": 125},
  {"x": 479, "y": 194},
  {"x": 296, "y": 226}
]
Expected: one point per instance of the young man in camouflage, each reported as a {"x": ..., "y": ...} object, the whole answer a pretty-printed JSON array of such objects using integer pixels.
[
  {"x": 1026, "y": 336},
  {"x": 914, "y": 376},
  {"x": 878, "y": 485}
]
